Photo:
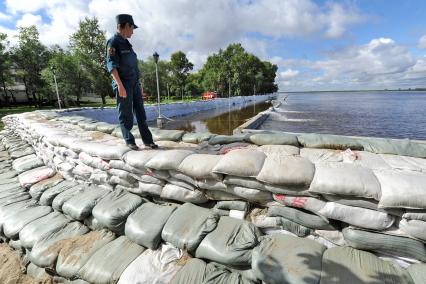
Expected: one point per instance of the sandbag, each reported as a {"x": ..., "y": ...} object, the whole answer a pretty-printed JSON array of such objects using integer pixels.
[
  {"x": 321, "y": 155},
  {"x": 417, "y": 272},
  {"x": 287, "y": 170},
  {"x": 80, "y": 206},
  {"x": 182, "y": 183},
  {"x": 200, "y": 166},
  {"x": 27, "y": 163},
  {"x": 345, "y": 179},
  {"x": 49, "y": 194},
  {"x": 286, "y": 259},
  {"x": 108, "y": 263},
  {"x": 196, "y": 137},
  {"x": 295, "y": 228},
  {"x": 414, "y": 228},
  {"x": 20, "y": 196},
  {"x": 10, "y": 209},
  {"x": 415, "y": 215},
  {"x": 230, "y": 243},
  {"x": 94, "y": 162},
  {"x": 45, "y": 252},
  {"x": 402, "y": 189},
  {"x": 348, "y": 265},
  {"x": 16, "y": 222},
  {"x": 145, "y": 224},
  {"x": 354, "y": 201},
  {"x": 82, "y": 171},
  {"x": 279, "y": 150},
  {"x": 105, "y": 127},
  {"x": 241, "y": 162},
  {"x": 251, "y": 194},
  {"x": 28, "y": 178},
  {"x": 121, "y": 165},
  {"x": 138, "y": 159},
  {"x": 301, "y": 217},
  {"x": 232, "y": 205},
  {"x": 168, "y": 159},
  {"x": 188, "y": 225},
  {"x": 171, "y": 191},
  {"x": 274, "y": 139},
  {"x": 193, "y": 272},
  {"x": 328, "y": 141},
  {"x": 148, "y": 189},
  {"x": 392, "y": 245},
  {"x": 403, "y": 147},
  {"x": 37, "y": 189},
  {"x": 41, "y": 228},
  {"x": 371, "y": 160},
  {"x": 227, "y": 139},
  {"x": 113, "y": 209},
  {"x": 102, "y": 150},
  {"x": 154, "y": 266},
  {"x": 76, "y": 251},
  {"x": 65, "y": 195},
  {"x": 167, "y": 135}
]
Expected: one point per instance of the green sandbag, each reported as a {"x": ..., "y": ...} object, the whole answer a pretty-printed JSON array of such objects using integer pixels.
[
  {"x": 196, "y": 271},
  {"x": 285, "y": 259},
  {"x": 403, "y": 147},
  {"x": 232, "y": 205},
  {"x": 418, "y": 273},
  {"x": 49, "y": 194},
  {"x": 227, "y": 139},
  {"x": 349, "y": 265},
  {"x": 295, "y": 228},
  {"x": 145, "y": 224},
  {"x": 231, "y": 243},
  {"x": 167, "y": 135},
  {"x": 108, "y": 263},
  {"x": 188, "y": 225},
  {"x": 196, "y": 137},
  {"x": 393, "y": 245},
  {"x": 274, "y": 139},
  {"x": 301, "y": 217},
  {"x": 328, "y": 141}
]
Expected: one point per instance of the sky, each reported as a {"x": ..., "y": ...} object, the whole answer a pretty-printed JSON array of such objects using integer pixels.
[{"x": 317, "y": 45}]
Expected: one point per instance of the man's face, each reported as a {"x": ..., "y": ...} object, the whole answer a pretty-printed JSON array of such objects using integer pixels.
[{"x": 128, "y": 30}]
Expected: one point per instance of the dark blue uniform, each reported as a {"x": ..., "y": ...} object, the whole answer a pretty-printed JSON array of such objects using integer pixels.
[{"x": 120, "y": 56}]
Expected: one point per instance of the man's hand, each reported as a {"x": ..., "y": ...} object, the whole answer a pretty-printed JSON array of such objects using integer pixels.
[{"x": 122, "y": 91}]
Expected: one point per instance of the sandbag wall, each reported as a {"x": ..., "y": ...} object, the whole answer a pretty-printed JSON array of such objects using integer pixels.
[{"x": 326, "y": 192}]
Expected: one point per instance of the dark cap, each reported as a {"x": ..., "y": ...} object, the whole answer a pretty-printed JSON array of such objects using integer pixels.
[{"x": 125, "y": 18}]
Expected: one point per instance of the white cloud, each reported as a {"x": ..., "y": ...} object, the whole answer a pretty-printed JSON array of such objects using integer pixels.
[
  {"x": 4, "y": 17},
  {"x": 29, "y": 20},
  {"x": 422, "y": 42}
]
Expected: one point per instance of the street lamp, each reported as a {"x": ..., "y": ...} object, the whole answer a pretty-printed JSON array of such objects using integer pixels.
[
  {"x": 53, "y": 68},
  {"x": 159, "y": 118}
]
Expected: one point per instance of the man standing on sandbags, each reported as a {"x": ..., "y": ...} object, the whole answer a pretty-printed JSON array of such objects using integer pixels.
[{"x": 122, "y": 64}]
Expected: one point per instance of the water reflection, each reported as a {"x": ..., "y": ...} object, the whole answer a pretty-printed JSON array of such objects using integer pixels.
[{"x": 219, "y": 121}]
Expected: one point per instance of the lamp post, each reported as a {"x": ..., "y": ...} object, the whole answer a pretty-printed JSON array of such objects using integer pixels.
[
  {"x": 53, "y": 68},
  {"x": 160, "y": 121}
]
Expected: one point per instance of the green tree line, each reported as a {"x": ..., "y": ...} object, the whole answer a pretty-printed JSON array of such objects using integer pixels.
[{"x": 80, "y": 69}]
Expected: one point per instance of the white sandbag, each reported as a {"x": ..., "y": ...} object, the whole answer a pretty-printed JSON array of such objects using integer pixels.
[
  {"x": 102, "y": 150},
  {"x": 107, "y": 264},
  {"x": 148, "y": 189},
  {"x": 415, "y": 215},
  {"x": 27, "y": 179},
  {"x": 82, "y": 171},
  {"x": 122, "y": 175},
  {"x": 402, "y": 189},
  {"x": 94, "y": 162},
  {"x": 371, "y": 160},
  {"x": 251, "y": 194},
  {"x": 183, "y": 177},
  {"x": 41, "y": 228},
  {"x": 138, "y": 159},
  {"x": 200, "y": 166},
  {"x": 123, "y": 182},
  {"x": 181, "y": 183},
  {"x": 16, "y": 222},
  {"x": 414, "y": 228},
  {"x": 76, "y": 251},
  {"x": 287, "y": 170},
  {"x": 218, "y": 195},
  {"x": 45, "y": 252},
  {"x": 171, "y": 191},
  {"x": 80, "y": 206},
  {"x": 121, "y": 165},
  {"x": 360, "y": 217},
  {"x": 168, "y": 159},
  {"x": 148, "y": 178},
  {"x": 345, "y": 179},
  {"x": 241, "y": 162},
  {"x": 154, "y": 266},
  {"x": 321, "y": 155},
  {"x": 99, "y": 177},
  {"x": 211, "y": 184},
  {"x": 279, "y": 150},
  {"x": 113, "y": 209}
]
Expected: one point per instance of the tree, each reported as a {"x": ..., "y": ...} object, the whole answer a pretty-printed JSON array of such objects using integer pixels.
[
  {"x": 193, "y": 85},
  {"x": 5, "y": 64},
  {"x": 88, "y": 44},
  {"x": 31, "y": 57},
  {"x": 179, "y": 67},
  {"x": 71, "y": 78},
  {"x": 148, "y": 77}
]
